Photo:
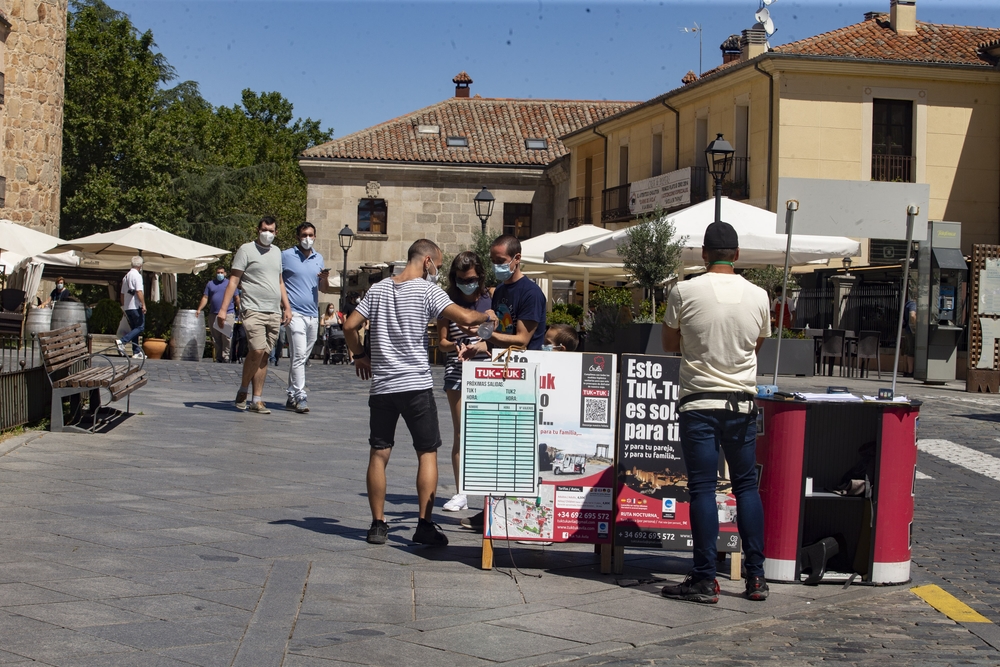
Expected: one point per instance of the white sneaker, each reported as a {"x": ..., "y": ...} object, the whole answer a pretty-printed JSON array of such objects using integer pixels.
[
  {"x": 459, "y": 501},
  {"x": 138, "y": 355},
  {"x": 121, "y": 348}
]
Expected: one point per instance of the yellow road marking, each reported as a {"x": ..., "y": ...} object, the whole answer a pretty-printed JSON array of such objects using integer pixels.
[{"x": 948, "y": 604}]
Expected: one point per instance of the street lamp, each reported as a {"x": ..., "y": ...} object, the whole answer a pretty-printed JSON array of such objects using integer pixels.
[
  {"x": 484, "y": 206},
  {"x": 720, "y": 161},
  {"x": 346, "y": 238}
]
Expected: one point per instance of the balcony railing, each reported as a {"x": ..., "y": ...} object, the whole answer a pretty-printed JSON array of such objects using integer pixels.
[
  {"x": 579, "y": 212},
  {"x": 894, "y": 168},
  {"x": 614, "y": 204}
]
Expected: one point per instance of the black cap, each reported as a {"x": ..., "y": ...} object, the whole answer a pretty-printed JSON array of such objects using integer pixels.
[{"x": 721, "y": 236}]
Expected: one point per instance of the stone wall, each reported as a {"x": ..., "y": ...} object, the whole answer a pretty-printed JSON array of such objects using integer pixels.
[{"x": 34, "y": 59}]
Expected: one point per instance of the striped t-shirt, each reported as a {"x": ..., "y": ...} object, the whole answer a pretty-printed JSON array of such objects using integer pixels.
[{"x": 398, "y": 314}]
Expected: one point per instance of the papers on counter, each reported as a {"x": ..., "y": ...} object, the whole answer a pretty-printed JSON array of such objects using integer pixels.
[
  {"x": 829, "y": 398},
  {"x": 898, "y": 399}
]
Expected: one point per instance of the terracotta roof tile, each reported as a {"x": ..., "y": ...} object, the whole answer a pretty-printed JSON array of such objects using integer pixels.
[
  {"x": 462, "y": 77},
  {"x": 690, "y": 77},
  {"x": 874, "y": 39},
  {"x": 496, "y": 130}
]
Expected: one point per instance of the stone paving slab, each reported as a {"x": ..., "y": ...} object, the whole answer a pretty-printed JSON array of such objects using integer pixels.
[{"x": 157, "y": 543}]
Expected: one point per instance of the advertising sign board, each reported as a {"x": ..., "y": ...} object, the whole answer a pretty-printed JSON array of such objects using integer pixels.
[
  {"x": 653, "y": 504},
  {"x": 576, "y": 407},
  {"x": 665, "y": 191}
]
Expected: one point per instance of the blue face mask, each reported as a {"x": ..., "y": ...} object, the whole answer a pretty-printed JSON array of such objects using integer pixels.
[
  {"x": 468, "y": 288},
  {"x": 219, "y": 277},
  {"x": 546, "y": 348},
  {"x": 502, "y": 272}
]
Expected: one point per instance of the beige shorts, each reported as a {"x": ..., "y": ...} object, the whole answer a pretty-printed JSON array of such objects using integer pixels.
[{"x": 262, "y": 329}]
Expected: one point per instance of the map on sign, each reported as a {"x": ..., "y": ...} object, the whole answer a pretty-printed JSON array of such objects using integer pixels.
[
  {"x": 519, "y": 518},
  {"x": 499, "y": 454}
]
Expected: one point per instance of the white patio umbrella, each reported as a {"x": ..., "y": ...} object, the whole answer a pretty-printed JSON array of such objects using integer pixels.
[
  {"x": 143, "y": 238},
  {"x": 575, "y": 267},
  {"x": 123, "y": 262},
  {"x": 24, "y": 241},
  {"x": 759, "y": 244}
]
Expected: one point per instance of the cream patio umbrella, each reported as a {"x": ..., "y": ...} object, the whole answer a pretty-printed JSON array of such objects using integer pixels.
[
  {"x": 24, "y": 241},
  {"x": 144, "y": 239}
]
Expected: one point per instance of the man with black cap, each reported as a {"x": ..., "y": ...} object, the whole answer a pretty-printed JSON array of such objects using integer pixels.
[{"x": 717, "y": 322}]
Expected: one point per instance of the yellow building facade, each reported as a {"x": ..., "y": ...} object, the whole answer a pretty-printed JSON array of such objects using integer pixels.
[{"x": 878, "y": 100}]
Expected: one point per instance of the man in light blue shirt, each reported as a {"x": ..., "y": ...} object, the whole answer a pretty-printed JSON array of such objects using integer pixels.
[{"x": 305, "y": 276}]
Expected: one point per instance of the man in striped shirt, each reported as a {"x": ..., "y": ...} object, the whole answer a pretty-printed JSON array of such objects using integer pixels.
[{"x": 398, "y": 310}]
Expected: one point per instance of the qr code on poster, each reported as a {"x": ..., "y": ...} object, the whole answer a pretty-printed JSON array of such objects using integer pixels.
[{"x": 595, "y": 410}]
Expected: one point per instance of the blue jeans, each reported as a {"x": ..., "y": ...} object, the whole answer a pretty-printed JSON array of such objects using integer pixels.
[
  {"x": 137, "y": 321},
  {"x": 703, "y": 432}
]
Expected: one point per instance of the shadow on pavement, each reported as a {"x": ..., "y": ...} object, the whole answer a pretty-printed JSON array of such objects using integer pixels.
[
  {"x": 994, "y": 417},
  {"x": 212, "y": 405},
  {"x": 317, "y": 524}
]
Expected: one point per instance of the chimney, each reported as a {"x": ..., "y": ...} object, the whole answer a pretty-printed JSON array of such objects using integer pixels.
[
  {"x": 903, "y": 16},
  {"x": 753, "y": 42},
  {"x": 730, "y": 49},
  {"x": 462, "y": 81}
]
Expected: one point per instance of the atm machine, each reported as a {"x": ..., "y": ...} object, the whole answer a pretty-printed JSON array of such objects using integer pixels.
[{"x": 942, "y": 290}]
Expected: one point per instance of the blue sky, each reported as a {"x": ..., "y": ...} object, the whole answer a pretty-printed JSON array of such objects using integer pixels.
[{"x": 355, "y": 64}]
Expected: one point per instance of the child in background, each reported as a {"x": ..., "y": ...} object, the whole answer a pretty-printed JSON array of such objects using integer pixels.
[{"x": 561, "y": 338}]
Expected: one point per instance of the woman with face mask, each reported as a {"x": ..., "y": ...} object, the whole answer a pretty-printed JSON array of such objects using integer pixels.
[
  {"x": 60, "y": 293},
  {"x": 331, "y": 322},
  {"x": 466, "y": 287}
]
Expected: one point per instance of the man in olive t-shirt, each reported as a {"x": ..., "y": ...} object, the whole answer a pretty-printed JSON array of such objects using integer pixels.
[{"x": 257, "y": 272}]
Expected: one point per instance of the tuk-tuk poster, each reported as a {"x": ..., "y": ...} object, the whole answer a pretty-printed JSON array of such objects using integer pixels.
[
  {"x": 653, "y": 504},
  {"x": 577, "y": 409}
]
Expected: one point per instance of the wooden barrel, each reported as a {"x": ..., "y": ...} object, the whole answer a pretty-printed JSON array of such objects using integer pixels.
[
  {"x": 187, "y": 336},
  {"x": 39, "y": 319},
  {"x": 68, "y": 313}
]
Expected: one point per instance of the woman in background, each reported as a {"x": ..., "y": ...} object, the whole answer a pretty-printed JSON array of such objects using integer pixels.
[{"x": 467, "y": 288}]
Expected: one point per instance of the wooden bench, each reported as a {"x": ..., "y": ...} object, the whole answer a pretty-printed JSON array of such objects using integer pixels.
[{"x": 61, "y": 349}]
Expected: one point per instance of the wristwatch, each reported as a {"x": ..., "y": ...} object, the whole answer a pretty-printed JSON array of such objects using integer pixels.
[{"x": 360, "y": 356}]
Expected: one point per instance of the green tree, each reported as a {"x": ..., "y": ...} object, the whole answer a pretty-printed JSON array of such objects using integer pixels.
[
  {"x": 650, "y": 253},
  {"x": 118, "y": 154}
]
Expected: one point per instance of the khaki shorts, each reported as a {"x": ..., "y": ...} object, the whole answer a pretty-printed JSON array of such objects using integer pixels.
[{"x": 262, "y": 329}]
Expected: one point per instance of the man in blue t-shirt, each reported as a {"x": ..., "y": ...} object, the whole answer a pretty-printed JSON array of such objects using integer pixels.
[
  {"x": 215, "y": 290},
  {"x": 305, "y": 277},
  {"x": 519, "y": 305}
]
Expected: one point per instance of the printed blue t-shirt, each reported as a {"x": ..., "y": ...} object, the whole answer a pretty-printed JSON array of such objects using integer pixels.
[{"x": 521, "y": 300}]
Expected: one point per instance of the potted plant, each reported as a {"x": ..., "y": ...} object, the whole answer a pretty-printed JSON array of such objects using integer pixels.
[
  {"x": 611, "y": 315},
  {"x": 159, "y": 318},
  {"x": 651, "y": 254}
]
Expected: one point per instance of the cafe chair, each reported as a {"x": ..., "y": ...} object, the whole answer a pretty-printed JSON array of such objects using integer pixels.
[
  {"x": 866, "y": 350},
  {"x": 833, "y": 347}
]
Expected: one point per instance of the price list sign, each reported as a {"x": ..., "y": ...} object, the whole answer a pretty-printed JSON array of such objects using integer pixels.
[{"x": 499, "y": 429}]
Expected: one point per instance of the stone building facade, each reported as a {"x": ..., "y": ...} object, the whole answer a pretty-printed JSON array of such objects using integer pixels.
[
  {"x": 33, "y": 58},
  {"x": 416, "y": 176}
]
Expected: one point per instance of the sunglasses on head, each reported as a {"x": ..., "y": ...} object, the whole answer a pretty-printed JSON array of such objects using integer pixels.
[{"x": 466, "y": 281}]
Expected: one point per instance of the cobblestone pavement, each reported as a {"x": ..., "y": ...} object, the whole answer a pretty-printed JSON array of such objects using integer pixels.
[{"x": 192, "y": 534}]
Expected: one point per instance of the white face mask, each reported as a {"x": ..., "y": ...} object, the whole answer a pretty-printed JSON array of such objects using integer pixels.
[
  {"x": 433, "y": 278},
  {"x": 307, "y": 242},
  {"x": 266, "y": 238}
]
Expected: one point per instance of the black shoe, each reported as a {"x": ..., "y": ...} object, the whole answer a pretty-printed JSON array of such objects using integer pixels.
[
  {"x": 427, "y": 532},
  {"x": 378, "y": 533},
  {"x": 756, "y": 589},
  {"x": 475, "y": 522},
  {"x": 705, "y": 591}
]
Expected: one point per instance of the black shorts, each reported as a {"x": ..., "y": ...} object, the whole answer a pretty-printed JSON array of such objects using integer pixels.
[{"x": 419, "y": 411}]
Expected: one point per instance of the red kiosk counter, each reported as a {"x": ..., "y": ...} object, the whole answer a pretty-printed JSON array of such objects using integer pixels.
[{"x": 836, "y": 480}]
